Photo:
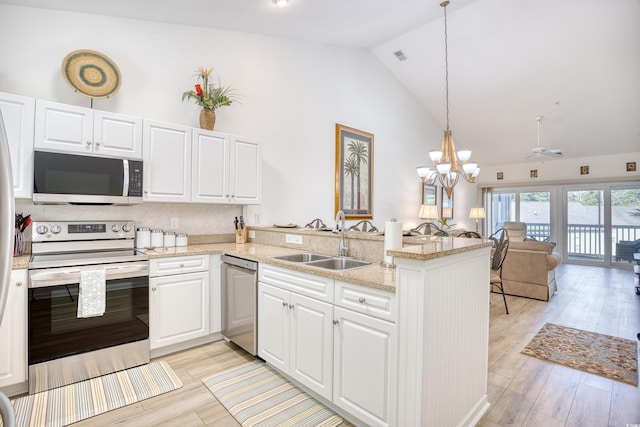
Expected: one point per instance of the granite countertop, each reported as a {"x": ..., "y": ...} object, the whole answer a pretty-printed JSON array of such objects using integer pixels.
[
  {"x": 374, "y": 275},
  {"x": 431, "y": 247}
]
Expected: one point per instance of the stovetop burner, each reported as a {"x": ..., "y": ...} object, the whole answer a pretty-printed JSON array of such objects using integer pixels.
[{"x": 78, "y": 243}]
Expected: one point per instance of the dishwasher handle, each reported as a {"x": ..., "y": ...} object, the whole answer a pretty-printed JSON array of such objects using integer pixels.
[{"x": 240, "y": 262}]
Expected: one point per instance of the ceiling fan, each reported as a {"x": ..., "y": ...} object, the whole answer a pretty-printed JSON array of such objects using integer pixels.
[{"x": 539, "y": 150}]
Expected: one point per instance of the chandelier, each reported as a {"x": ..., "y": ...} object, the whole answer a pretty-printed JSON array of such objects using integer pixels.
[{"x": 449, "y": 163}]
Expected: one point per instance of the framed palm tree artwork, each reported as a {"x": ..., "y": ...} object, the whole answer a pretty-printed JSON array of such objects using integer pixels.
[{"x": 354, "y": 173}]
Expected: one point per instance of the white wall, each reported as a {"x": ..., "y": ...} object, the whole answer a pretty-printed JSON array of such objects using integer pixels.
[{"x": 292, "y": 95}]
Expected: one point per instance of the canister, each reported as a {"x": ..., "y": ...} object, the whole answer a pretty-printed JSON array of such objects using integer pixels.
[
  {"x": 169, "y": 239},
  {"x": 143, "y": 237},
  {"x": 182, "y": 239},
  {"x": 157, "y": 238}
]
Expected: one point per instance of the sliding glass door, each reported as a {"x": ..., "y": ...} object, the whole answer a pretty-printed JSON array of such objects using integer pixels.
[
  {"x": 602, "y": 223},
  {"x": 585, "y": 234}
]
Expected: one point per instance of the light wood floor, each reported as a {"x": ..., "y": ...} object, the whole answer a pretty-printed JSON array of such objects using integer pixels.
[{"x": 523, "y": 391}]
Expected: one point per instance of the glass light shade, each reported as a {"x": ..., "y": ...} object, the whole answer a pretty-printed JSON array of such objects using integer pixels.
[
  {"x": 428, "y": 212},
  {"x": 435, "y": 155},
  {"x": 476, "y": 172},
  {"x": 469, "y": 167},
  {"x": 423, "y": 171},
  {"x": 464, "y": 155},
  {"x": 476, "y": 213},
  {"x": 443, "y": 167},
  {"x": 453, "y": 175}
]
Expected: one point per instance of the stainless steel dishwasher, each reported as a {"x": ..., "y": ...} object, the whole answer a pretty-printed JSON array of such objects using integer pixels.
[{"x": 240, "y": 302}]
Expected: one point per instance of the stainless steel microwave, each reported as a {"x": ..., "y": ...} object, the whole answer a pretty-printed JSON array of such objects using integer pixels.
[{"x": 76, "y": 179}]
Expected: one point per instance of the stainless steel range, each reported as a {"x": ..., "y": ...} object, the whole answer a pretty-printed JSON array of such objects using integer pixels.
[{"x": 88, "y": 302}]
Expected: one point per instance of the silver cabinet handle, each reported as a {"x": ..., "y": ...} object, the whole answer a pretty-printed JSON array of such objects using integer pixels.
[
  {"x": 336, "y": 322},
  {"x": 97, "y": 144},
  {"x": 284, "y": 303},
  {"x": 153, "y": 289},
  {"x": 181, "y": 265},
  {"x": 88, "y": 143},
  {"x": 362, "y": 300},
  {"x": 291, "y": 306},
  {"x": 18, "y": 283}
]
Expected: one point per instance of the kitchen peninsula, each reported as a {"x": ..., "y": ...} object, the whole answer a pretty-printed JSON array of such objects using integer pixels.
[{"x": 438, "y": 339}]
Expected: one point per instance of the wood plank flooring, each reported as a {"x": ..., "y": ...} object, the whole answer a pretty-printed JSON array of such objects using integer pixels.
[{"x": 523, "y": 391}]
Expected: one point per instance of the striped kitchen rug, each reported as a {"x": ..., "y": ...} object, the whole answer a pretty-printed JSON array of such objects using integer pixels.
[
  {"x": 256, "y": 395},
  {"x": 85, "y": 399}
]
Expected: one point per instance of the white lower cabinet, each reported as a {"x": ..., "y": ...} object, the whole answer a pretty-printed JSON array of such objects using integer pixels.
[
  {"x": 13, "y": 332},
  {"x": 295, "y": 336},
  {"x": 364, "y": 367},
  {"x": 343, "y": 349},
  {"x": 179, "y": 300}
]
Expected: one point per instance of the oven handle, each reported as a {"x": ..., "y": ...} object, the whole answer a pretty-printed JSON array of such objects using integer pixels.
[{"x": 71, "y": 275}]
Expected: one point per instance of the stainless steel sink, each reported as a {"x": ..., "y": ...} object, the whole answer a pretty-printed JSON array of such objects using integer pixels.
[
  {"x": 323, "y": 261},
  {"x": 302, "y": 257},
  {"x": 339, "y": 263}
]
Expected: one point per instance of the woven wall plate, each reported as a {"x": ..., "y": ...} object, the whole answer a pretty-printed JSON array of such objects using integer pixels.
[{"x": 91, "y": 73}]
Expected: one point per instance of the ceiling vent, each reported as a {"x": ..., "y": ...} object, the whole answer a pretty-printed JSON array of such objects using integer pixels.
[{"x": 400, "y": 55}]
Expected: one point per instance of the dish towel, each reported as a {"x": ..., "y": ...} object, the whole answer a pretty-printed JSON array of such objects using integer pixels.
[{"x": 92, "y": 293}]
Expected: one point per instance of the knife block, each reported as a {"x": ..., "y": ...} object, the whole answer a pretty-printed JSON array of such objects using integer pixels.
[{"x": 241, "y": 235}]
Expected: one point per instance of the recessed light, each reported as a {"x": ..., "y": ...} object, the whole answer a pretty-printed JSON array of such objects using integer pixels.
[{"x": 280, "y": 2}]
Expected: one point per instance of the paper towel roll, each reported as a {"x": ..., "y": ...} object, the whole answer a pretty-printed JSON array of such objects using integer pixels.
[{"x": 392, "y": 239}]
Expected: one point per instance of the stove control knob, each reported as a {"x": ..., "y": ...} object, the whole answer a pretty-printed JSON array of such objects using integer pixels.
[
  {"x": 126, "y": 228},
  {"x": 42, "y": 229},
  {"x": 115, "y": 228},
  {"x": 55, "y": 229}
]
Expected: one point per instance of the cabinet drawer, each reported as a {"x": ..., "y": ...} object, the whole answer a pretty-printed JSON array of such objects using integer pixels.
[
  {"x": 371, "y": 301},
  {"x": 178, "y": 265},
  {"x": 313, "y": 286}
]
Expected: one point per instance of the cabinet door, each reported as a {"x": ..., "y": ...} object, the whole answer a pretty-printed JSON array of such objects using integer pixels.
[
  {"x": 210, "y": 163},
  {"x": 312, "y": 344},
  {"x": 66, "y": 128},
  {"x": 13, "y": 332},
  {"x": 246, "y": 171},
  {"x": 365, "y": 367},
  {"x": 117, "y": 135},
  {"x": 178, "y": 308},
  {"x": 273, "y": 326},
  {"x": 18, "y": 113},
  {"x": 167, "y": 162}
]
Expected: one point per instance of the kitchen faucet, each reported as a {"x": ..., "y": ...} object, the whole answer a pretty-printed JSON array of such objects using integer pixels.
[{"x": 340, "y": 226}]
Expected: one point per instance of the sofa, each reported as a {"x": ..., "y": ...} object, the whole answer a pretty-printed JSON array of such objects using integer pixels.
[{"x": 529, "y": 268}]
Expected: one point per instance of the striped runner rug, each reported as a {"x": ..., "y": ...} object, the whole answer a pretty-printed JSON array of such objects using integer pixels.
[
  {"x": 85, "y": 399},
  {"x": 256, "y": 395}
]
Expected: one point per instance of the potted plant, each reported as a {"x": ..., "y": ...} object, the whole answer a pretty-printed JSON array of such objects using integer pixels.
[{"x": 209, "y": 96}]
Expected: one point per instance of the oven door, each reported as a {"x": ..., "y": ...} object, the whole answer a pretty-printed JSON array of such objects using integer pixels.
[{"x": 55, "y": 330}]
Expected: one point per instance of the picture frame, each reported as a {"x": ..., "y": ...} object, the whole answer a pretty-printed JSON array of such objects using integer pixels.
[
  {"x": 429, "y": 195},
  {"x": 631, "y": 166},
  {"x": 446, "y": 208},
  {"x": 354, "y": 173}
]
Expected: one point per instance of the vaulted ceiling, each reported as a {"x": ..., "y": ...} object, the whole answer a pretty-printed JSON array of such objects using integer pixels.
[{"x": 574, "y": 62}]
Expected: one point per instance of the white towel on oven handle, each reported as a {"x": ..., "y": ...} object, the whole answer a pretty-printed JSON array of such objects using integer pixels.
[{"x": 92, "y": 295}]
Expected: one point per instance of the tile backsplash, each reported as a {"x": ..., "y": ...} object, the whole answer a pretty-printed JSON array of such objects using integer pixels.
[{"x": 193, "y": 218}]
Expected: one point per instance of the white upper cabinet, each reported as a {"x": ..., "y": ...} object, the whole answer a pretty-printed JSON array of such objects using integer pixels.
[
  {"x": 226, "y": 169},
  {"x": 167, "y": 162},
  {"x": 210, "y": 162},
  {"x": 18, "y": 115},
  {"x": 245, "y": 170},
  {"x": 72, "y": 129}
]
